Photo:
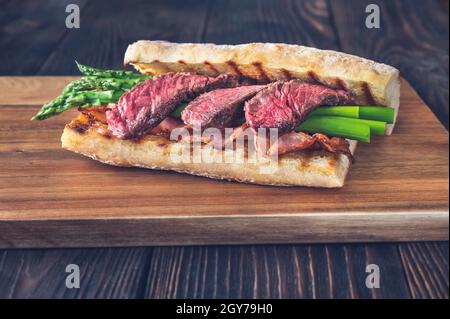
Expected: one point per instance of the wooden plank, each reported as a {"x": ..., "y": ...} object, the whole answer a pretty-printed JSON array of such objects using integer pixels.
[
  {"x": 190, "y": 230},
  {"x": 111, "y": 25},
  {"x": 406, "y": 40},
  {"x": 104, "y": 273},
  {"x": 289, "y": 21},
  {"x": 298, "y": 271},
  {"x": 395, "y": 171},
  {"x": 426, "y": 269},
  {"x": 445, "y": 5},
  {"x": 32, "y": 90},
  {"x": 32, "y": 29}
]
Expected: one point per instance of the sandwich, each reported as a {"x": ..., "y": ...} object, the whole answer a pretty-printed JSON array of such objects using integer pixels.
[{"x": 263, "y": 113}]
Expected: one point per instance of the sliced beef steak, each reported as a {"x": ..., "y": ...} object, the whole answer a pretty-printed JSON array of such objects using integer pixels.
[
  {"x": 144, "y": 106},
  {"x": 285, "y": 105},
  {"x": 218, "y": 108}
]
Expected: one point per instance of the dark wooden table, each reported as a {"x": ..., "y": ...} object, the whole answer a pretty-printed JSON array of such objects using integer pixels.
[{"x": 413, "y": 37}]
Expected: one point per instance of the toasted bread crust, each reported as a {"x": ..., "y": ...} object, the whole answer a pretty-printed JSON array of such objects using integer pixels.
[
  {"x": 307, "y": 168},
  {"x": 372, "y": 83}
]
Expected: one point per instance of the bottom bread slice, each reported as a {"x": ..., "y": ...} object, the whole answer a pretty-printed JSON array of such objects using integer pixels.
[{"x": 305, "y": 168}]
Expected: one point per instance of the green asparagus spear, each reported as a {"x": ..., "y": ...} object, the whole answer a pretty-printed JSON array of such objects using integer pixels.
[
  {"x": 336, "y": 126},
  {"x": 118, "y": 74},
  {"x": 376, "y": 113},
  {"x": 376, "y": 127},
  {"x": 384, "y": 114},
  {"x": 97, "y": 87},
  {"x": 344, "y": 111}
]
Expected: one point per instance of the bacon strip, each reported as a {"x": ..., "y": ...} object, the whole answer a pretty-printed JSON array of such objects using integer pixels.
[
  {"x": 166, "y": 126},
  {"x": 292, "y": 142},
  {"x": 336, "y": 145},
  {"x": 297, "y": 141}
]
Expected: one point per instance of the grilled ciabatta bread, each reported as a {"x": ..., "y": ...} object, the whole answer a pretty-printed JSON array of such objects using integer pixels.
[{"x": 216, "y": 81}]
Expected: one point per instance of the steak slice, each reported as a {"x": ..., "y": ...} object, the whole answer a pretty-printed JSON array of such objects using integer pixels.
[
  {"x": 285, "y": 105},
  {"x": 218, "y": 108},
  {"x": 144, "y": 106}
]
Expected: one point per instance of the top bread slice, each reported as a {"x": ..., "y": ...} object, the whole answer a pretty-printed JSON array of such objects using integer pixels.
[{"x": 372, "y": 83}]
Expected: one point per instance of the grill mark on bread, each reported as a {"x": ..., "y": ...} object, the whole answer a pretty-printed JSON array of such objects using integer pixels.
[
  {"x": 307, "y": 157},
  {"x": 144, "y": 68},
  {"x": 163, "y": 144},
  {"x": 314, "y": 77},
  {"x": 286, "y": 74},
  {"x": 162, "y": 66},
  {"x": 235, "y": 68},
  {"x": 186, "y": 66},
  {"x": 138, "y": 140},
  {"x": 261, "y": 73},
  {"x": 368, "y": 93},
  {"x": 80, "y": 128},
  {"x": 333, "y": 161},
  {"x": 211, "y": 67},
  {"x": 340, "y": 85},
  {"x": 87, "y": 122}
]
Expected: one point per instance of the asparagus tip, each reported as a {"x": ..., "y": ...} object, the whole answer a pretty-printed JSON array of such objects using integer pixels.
[{"x": 78, "y": 66}]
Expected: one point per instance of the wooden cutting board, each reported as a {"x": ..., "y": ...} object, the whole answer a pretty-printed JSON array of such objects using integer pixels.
[{"x": 396, "y": 191}]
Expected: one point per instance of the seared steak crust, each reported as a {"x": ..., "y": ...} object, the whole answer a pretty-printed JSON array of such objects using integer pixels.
[{"x": 284, "y": 105}]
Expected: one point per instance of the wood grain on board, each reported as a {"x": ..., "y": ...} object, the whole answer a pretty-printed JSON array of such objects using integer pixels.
[
  {"x": 397, "y": 190},
  {"x": 104, "y": 273},
  {"x": 38, "y": 89},
  {"x": 298, "y": 271},
  {"x": 31, "y": 31},
  {"x": 426, "y": 269}
]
